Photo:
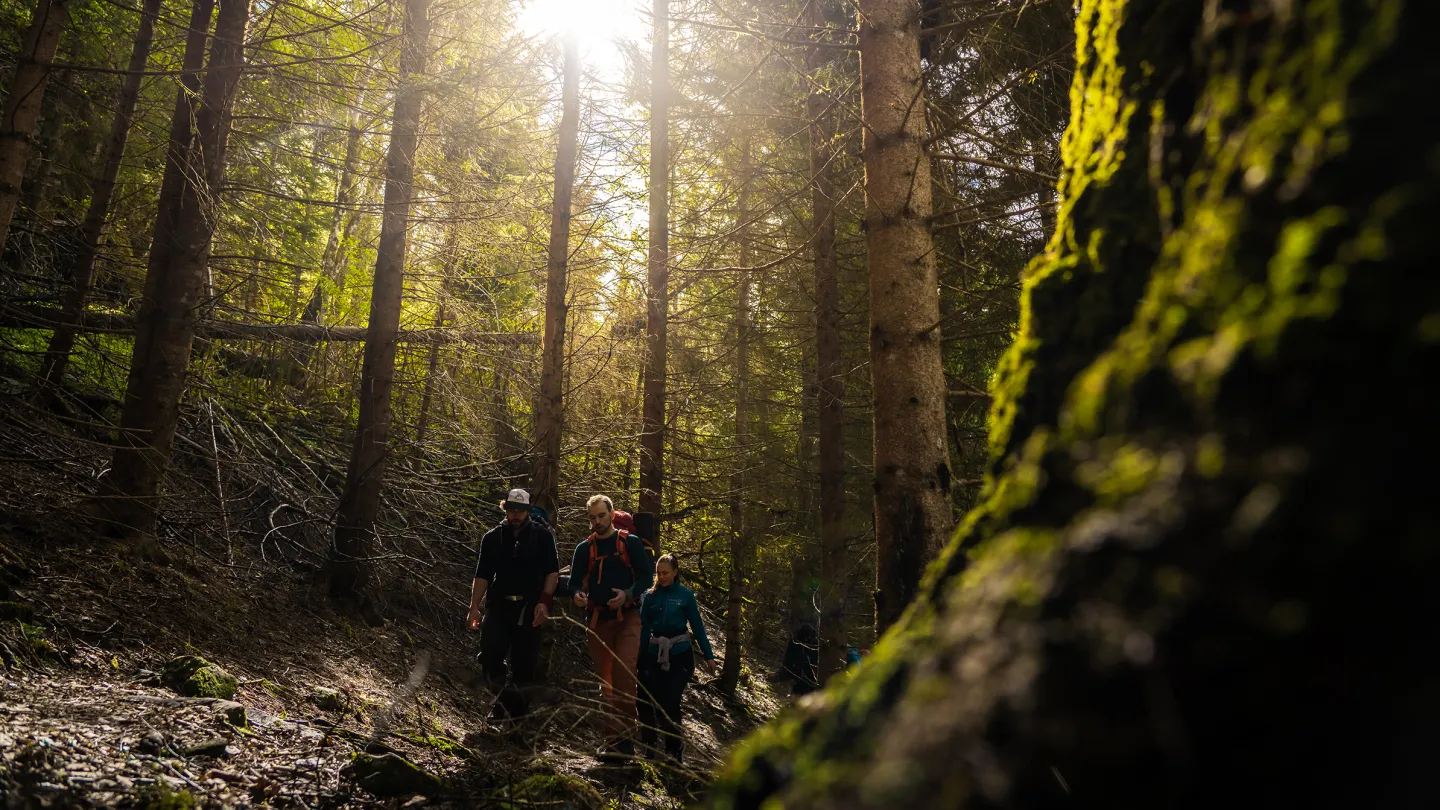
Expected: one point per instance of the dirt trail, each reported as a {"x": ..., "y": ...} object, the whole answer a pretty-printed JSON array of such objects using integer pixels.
[{"x": 86, "y": 722}]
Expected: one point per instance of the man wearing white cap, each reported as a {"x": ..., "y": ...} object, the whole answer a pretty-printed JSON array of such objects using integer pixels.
[{"x": 515, "y": 577}]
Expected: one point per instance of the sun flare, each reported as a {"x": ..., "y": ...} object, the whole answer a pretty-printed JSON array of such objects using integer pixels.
[{"x": 599, "y": 25}]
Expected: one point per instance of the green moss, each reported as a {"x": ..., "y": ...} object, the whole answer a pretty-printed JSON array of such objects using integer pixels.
[
  {"x": 551, "y": 790},
  {"x": 1177, "y": 253},
  {"x": 160, "y": 797},
  {"x": 194, "y": 676},
  {"x": 443, "y": 744}
]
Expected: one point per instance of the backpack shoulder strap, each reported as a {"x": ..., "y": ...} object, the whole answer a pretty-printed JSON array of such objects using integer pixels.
[{"x": 622, "y": 539}]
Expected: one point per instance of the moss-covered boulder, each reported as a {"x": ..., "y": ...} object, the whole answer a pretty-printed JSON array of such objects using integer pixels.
[
  {"x": 1202, "y": 568},
  {"x": 551, "y": 790},
  {"x": 193, "y": 676},
  {"x": 390, "y": 775},
  {"x": 331, "y": 700}
]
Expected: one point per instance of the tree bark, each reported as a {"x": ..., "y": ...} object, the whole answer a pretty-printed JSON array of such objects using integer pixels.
[
  {"x": 830, "y": 400},
  {"x": 160, "y": 358},
  {"x": 22, "y": 105},
  {"x": 82, "y": 266},
  {"x": 657, "y": 313},
  {"x": 432, "y": 362},
  {"x": 330, "y": 264},
  {"x": 550, "y": 416},
  {"x": 1202, "y": 522},
  {"x": 912, "y": 465},
  {"x": 349, "y": 568},
  {"x": 735, "y": 603}
]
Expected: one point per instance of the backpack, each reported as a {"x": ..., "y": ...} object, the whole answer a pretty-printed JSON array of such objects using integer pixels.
[{"x": 597, "y": 562}]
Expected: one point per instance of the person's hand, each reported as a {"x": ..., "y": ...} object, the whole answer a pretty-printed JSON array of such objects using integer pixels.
[
  {"x": 581, "y": 599},
  {"x": 473, "y": 620},
  {"x": 542, "y": 612},
  {"x": 614, "y": 604},
  {"x": 708, "y": 664}
]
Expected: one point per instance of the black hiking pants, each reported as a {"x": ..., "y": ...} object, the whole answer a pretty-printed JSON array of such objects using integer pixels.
[
  {"x": 659, "y": 701},
  {"x": 506, "y": 632}
]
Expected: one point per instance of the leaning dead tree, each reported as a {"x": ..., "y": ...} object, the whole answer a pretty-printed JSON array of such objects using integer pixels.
[
  {"x": 120, "y": 324},
  {"x": 1201, "y": 567}
]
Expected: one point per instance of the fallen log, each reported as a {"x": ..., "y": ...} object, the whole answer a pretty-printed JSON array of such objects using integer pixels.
[{"x": 30, "y": 317}]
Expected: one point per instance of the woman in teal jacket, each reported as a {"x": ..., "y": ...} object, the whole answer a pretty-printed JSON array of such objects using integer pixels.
[{"x": 670, "y": 627}]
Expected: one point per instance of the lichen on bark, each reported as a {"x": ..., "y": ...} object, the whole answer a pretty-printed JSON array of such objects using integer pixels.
[{"x": 1196, "y": 565}]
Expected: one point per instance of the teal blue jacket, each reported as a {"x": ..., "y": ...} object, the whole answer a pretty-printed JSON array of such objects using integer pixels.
[{"x": 670, "y": 612}]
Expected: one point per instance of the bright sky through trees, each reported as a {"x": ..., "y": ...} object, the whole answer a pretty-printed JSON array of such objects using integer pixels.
[{"x": 597, "y": 23}]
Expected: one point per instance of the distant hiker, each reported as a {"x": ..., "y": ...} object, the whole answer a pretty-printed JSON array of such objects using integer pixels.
[
  {"x": 853, "y": 656},
  {"x": 802, "y": 660},
  {"x": 515, "y": 577},
  {"x": 670, "y": 627},
  {"x": 610, "y": 570}
]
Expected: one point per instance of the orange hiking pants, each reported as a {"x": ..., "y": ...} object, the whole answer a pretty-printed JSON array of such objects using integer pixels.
[{"x": 615, "y": 648}]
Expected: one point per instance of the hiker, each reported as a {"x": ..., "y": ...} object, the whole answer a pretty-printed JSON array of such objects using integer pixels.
[
  {"x": 611, "y": 568},
  {"x": 516, "y": 571},
  {"x": 802, "y": 660},
  {"x": 670, "y": 627}
]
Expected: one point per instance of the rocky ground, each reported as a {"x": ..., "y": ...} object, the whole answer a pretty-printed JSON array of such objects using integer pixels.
[{"x": 221, "y": 678}]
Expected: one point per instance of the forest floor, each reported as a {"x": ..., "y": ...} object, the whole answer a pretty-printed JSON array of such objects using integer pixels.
[{"x": 87, "y": 628}]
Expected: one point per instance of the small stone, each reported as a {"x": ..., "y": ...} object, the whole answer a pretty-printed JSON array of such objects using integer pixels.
[
  {"x": 152, "y": 743},
  {"x": 215, "y": 747},
  {"x": 331, "y": 700},
  {"x": 234, "y": 712},
  {"x": 390, "y": 775}
]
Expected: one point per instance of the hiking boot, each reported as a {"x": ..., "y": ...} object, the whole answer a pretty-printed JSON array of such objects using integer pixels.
[{"x": 612, "y": 753}]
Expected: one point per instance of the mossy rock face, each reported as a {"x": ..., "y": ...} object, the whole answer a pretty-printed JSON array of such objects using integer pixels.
[
  {"x": 389, "y": 775},
  {"x": 552, "y": 790},
  {"x": 193, "y": 676}
]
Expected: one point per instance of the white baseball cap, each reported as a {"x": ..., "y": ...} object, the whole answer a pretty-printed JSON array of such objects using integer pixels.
[{"x": 517, "y": 499}]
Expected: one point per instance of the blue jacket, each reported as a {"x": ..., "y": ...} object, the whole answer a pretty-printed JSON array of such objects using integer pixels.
[{"x": 668, "y": 612}]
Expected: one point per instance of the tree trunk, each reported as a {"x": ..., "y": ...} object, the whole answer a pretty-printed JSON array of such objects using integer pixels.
[
  {"x": 432, "y": 368},
  {"x": 160, "y": 358},
  {"x": 509, "y": 451},
  {"x": 22, "y": 104},
  {"x": 550, "y": 416},
  {"x": 912, "y": 465},
  {"x": 1203, "y": 566},
  {"x": 657, "y": 313},
  {"x": 432, "y": 362},
  {"x": 330, "y": 264},
  {"x": 834, "y": 561},
  {"x": 82, "y": 266},
  {"x": 802, "y": 564},
  {"x": 349, "y": 568},
  {"x": 735, "y": 604}
]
